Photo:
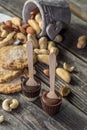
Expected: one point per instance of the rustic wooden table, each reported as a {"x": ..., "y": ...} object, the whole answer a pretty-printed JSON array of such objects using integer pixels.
[{"x": 73, "y": 112}]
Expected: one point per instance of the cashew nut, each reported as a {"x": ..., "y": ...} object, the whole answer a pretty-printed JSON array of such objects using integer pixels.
[
  {"x": 2, "y": 118},
  {"x": 50, "y": 44},
  {"x": 58, "y": 38},
  {"x": 63, "y": 74},
  {"x": 34, "y": 25},
  {"x": 8, "y": 39},
  {"x": 43, "y": 43},
  {"x": 21, "y": 37},
  {"x": 68, "y": 68},
  {"x": 64, "y": 90},
  {"x": 55, "y": 50},
  {"x": 14, "y": 104},
  {"x": 16, "y": 21},
  {"x": 33, "y": 39},
  {"x": 6, "y": 105}
]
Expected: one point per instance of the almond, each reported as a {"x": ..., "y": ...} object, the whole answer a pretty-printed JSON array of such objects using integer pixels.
[
  {"x": 34, "y": 11},
  {"x": 25, "y": 26},
  {"x": 22, "y": 29},
  {"x": 8, "y": 23},
  {"x": 7, "y": 28},
  {"x": 30, "y": 30},
  {"x": 32, "y": 16},
  {"x": 46, "y": 72},
  {"x": 15, "y": 27}
]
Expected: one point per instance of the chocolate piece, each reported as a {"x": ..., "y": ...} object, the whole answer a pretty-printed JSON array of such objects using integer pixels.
[
  {"x": 30, "y": 91},
  {"x": 51, "y": 106}
]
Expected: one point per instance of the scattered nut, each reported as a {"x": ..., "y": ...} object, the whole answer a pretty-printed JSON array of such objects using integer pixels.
[
  {"x": 64, "y": 90},
  {"x": 16, "y": 21},
  {"x": 63, "y": 74},
  {"x": 44, "y": 59},
  {"x": 46, "y": 72},
  {"x": 25, "y": 26},
  {"x": 43, "y": 51},
  {"x": 50, "y": 44},
  {"x": 30, "y": 30},
  {"x": 6, "y": 105},
  {"x": 14, "y": 104},
  {"x": 58, "y": 38},
  {"x": 7, "y": 40},
  {"x": 82, "y": 38},
  {"x": 38, "y": 19},
  {"x": 55, "y": 50},
  {"x": 32, "y": 38},
  {"x": 2, "y": 118},
  {"x": 8, "y": 23},
  {"x": 82, "y": 42},
  {"x": 21, "y": 37},
  {"x": 43, "y": 43},
  {"x": 34, "y": 25},
  {"x": 68, "y": 68},
  {"x": 34, "y": 11},
  {"x": 4, "y": 34},
  {"x": 22, "y": 30}
]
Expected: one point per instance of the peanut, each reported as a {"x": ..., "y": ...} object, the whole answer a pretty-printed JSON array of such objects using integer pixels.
[
  {"x": 44, "y": 59},
  {"x": 55, "y": 50},
  {"x": 34, "y": 25},
  {"x": 34, "y": 41},
  {"x": 82, "y": 42},
  {"x": 58, "y": 38},
  {"x": 43, "y": 43},
  {"x": 50, "y": 44},
  {"x": 63, "y": 74},
  {"x": 38, "y": 19}
]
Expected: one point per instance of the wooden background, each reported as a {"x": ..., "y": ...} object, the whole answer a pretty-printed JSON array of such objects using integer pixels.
[{"x": 73, "y": 113}]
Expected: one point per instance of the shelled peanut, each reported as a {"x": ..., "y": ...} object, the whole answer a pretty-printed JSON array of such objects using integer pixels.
[
  {"x": 35, "y": 21},
  {"x": 82, "y": 42}
]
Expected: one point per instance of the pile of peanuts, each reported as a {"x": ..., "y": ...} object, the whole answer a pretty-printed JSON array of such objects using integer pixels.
[
  {"x": 15, "y": 32},
  {"x": 35, "y": 22}
]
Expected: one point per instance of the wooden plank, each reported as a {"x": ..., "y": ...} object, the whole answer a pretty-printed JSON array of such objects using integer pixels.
[
  {"x": 78, "y": 97},
  {"x": 28, "y": 117}
]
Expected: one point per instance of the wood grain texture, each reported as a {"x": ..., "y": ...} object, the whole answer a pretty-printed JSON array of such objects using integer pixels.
[{"x": 30, "y": 116}]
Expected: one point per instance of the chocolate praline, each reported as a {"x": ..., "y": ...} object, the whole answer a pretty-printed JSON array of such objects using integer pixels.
[
  {"x": 30, "y": 91},
  {"x": 51, "y": 106}
]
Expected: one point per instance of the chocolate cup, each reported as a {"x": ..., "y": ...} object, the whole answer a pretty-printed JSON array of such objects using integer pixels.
[
  {"x": 51, "y": 109},
  {"x": 30, "y": 91}
]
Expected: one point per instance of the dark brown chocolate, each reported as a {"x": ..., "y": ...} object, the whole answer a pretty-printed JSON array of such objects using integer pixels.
[
  {"x": 50, "y": 101},
  {"x": 30, "y": 91},
  {"x": 51, "y": 106}
]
